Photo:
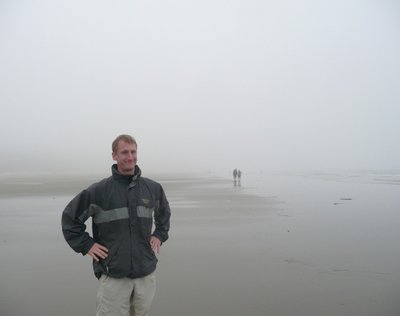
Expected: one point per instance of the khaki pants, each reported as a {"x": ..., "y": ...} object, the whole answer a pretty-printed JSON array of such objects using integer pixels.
[{"x": 125, "y": 297}]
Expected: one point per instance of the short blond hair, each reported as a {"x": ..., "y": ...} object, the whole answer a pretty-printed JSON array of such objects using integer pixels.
[{"x": 124, "y": 137}]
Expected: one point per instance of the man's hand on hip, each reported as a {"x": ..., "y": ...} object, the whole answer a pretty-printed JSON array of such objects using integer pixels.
[
  {"x": 155, "y": 244},
  {"x": 98, "y": 252}
]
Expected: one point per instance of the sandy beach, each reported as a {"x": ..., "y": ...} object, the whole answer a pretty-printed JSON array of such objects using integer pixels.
[{"x": 278, "y": 245}]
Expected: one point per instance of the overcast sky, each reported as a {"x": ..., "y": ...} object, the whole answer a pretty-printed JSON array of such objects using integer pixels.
[{"x": 203, "y": 85}]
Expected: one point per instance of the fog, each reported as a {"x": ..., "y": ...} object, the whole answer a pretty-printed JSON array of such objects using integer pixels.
[{"x": 203, "y": 86}]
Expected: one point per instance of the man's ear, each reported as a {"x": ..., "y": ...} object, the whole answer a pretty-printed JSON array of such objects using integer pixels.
[{"x": 114, "y": 156}]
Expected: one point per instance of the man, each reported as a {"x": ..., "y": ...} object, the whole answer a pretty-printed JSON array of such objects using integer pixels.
[{"x": 122, "y": 245}]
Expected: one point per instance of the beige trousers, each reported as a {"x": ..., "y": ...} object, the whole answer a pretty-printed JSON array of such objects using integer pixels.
[{"x": 125, "y": 297}]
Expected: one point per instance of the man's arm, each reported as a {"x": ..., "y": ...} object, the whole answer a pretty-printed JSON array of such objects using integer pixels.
[
  {"x": 162, "y": 216},
  {"x": 73, "y": 223}
]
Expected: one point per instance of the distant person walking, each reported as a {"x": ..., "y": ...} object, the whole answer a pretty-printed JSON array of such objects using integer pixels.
[
  {"x": 234, "y": 176},
  {"x": 123, "y": 245},
  {"x": 239, "y": 175}
]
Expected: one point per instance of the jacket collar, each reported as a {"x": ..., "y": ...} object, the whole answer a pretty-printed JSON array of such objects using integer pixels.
[{"x": 126, "y": 178}]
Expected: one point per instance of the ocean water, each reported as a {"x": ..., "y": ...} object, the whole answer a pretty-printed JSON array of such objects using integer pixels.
[
  {"x": 349, "y": 219},
  {"x": 341, "y": 229}
]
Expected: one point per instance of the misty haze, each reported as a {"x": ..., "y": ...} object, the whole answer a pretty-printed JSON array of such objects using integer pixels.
[{"x": 302, "y": 97}]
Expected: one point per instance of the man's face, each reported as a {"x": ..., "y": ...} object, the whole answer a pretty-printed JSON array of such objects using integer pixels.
[{"x": 126, "y": 157}]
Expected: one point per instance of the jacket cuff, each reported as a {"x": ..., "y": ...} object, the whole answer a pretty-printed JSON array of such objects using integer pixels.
[
  {"x": 87, "y": 247},
  {"x": 159, "y": 236}
]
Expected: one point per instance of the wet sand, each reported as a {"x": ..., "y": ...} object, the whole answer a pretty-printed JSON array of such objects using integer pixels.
[{"x": 289, "y": 247}]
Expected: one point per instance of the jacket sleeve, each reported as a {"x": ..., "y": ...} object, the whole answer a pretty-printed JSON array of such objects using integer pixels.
[
  {"x": 73, "y": 223},
  {"x": 162, "y": 216}
]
